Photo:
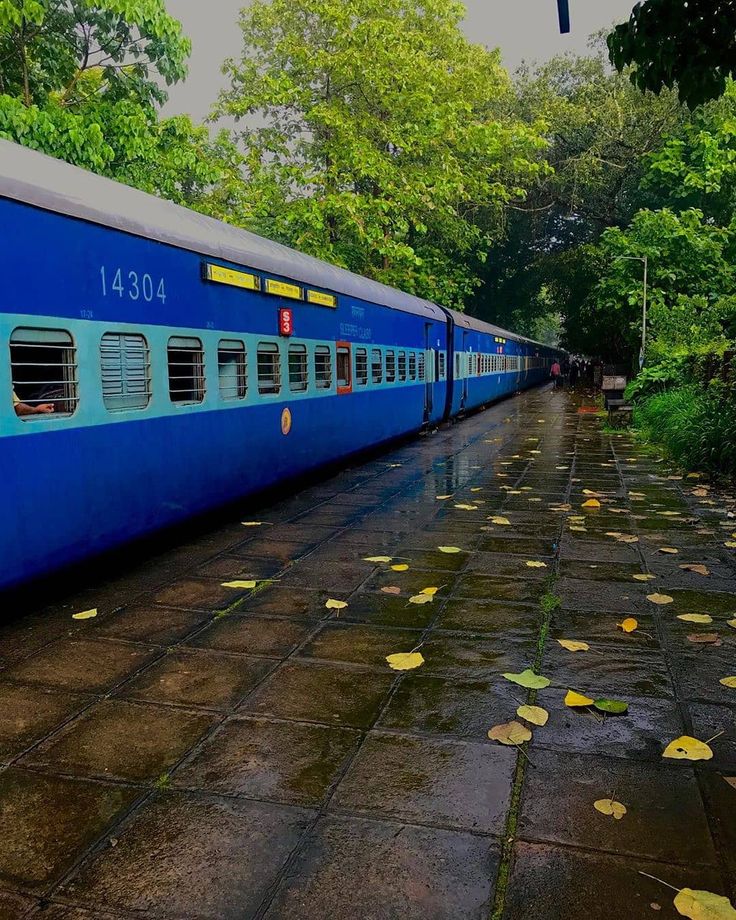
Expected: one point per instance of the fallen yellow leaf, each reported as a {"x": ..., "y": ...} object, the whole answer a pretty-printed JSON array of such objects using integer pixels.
[
  {"x": 592, "y": 493},
  {"x": 249, "y": 583},
  {"x": 440, "y": 498},
  {"x": 731, "y": 544},
  {"x": 643, "y": 577},
  {"x": 400, "y": 567},
  {"x": 591, "y": 503},
  {"x": 430, "y": 591},
  {"x": 85, "y": 614},
  {"x": 698, "y": 569},
  {"x": 628, "y": 625},
  {"x": 405, "y": 661},
  {"x": 466, "y": 507},
  {"x": 703, "y": 905},
  {"x": 477, "y": 489},
  {"x": 610, "y": 807},
  {"x": 534, "y": 564},
  {"x": 421, "y": 599},
  {"x": 731, "y": 623},
  {"x": 660, "y": 598},
  {"x": 528, "y": 679},
  {"x": 687, "y": 748},
  {"x": 378, "y": 558},
  {"x": 534, "y": 714},
  {"x": 729, "y": 682},
  {"x": 669, "y": 549},
  {"x": 449, "y": 549},
  {"x": 695, "y": 617},
  {"x": 252, "y": 523},
  {"x": 498, "y": 519},
  {"x": 572, "y": 646},
  {"x": 510, "y": 733},
  {"x": 573, "y": 699},
  {"x": 332, "y": 604}
]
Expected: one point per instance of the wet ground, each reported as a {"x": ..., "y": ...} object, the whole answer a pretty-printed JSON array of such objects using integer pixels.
[{"x": 202, "y": 751}]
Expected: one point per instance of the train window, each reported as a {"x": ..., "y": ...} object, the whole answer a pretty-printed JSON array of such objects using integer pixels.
[
  {"x": 44, "y": 371},
  {"x": 323, "y": 367},
  {"x": 126, "y": 371},
  {"x": 390, "y": 366},
  {"x": 186, "y": 370},
  {"x": 269, "y": 368},
  {"x": 457, "y": 364},
  {"x": 231, "y": 369},
  {"x": 361, "y": 367},
  {"x": 402, "y": 365},
  {"x": 412, "y": 366},
  {"x": 442, "y": 366},
  {"x": 420, "y": 366},
  {"x": 298, "y": 373},
  {"x": 344, "y": 378},
  {"x": 376, "y": 366}
]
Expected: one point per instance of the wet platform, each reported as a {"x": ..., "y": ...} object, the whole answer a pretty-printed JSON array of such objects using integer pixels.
[{"x": 203, "y": 751}]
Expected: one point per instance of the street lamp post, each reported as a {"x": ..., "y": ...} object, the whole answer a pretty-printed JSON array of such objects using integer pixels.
[{"x": 645, "y": 260}]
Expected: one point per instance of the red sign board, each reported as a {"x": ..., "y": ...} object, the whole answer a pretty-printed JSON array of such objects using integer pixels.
[{"x": 286, "y": 322}]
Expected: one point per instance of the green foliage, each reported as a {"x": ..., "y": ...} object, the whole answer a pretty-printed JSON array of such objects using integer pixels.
[
  {"x": 696, "y": 426},
  {"x": 690, "y": 44},
  {"x": 691, "y": 281},
  {"x": 656, "y": 378},
  {"x": 47, "y": 45},
  {"x": 378, "y": 138}
]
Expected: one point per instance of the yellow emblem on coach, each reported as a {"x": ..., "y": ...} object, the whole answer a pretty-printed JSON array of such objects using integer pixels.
[{"x": 286, "y": 421}]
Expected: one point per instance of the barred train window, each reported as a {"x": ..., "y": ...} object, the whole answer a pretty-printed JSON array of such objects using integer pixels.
[
  {"x": 231, "y": 369},
  {"x": 361, "y": 367},
  {"x": 323, "y": 367},
  {"x": 376, "y": 366},
  {"x": 343, "y": 367},
  {"x": 186, "y": 370},
  {"x": 269, "y": 368},
  {"x": 420, "y": 366},
  {"x": 390, "y": 367},
  {"x": 43, "y": 366},
  {"x": 126, "y": 371},
  {"x": 442, "y": 365},
  {"x": 402, "y": 365},
  {"x": 412, "y": 366},
  {"x": 298, "y": 378}
]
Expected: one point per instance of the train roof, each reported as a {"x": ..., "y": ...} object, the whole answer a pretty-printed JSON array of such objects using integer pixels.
[
  {"x": 478, "y": 325},
  {"x": 53, "y": 185}
]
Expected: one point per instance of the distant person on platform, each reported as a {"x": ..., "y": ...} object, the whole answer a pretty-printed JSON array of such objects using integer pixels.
[
  {"x": 22, "y": 408},
  {"x": 574, "y": 371},
  {"x": 555, "y": 373}
]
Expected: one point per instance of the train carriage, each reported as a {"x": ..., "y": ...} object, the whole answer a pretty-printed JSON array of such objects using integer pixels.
[{"x": 189, "y": 363}]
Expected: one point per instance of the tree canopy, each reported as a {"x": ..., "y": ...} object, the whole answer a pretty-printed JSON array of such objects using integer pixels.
[
  {"x": 690, "y": 44},
  {"x": 378, "y": 137}
]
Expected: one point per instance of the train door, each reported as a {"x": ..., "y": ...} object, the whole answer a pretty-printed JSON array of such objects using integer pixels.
[
  {"x": 464, "y": 370},
  {"x": 427, "y": 365}
]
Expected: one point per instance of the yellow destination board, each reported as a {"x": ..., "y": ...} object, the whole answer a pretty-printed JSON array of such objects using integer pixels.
[
  {"x": 282, "y": 289},
  {"x": 222, "y": 275},
  {"x": 324, "y": 300}
]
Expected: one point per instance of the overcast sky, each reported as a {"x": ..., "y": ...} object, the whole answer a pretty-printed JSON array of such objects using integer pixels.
[{"x": 522, "y": 29}]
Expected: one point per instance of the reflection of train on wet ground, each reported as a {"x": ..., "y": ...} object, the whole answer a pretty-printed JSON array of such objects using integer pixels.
[{"x": 189, "y": 363}]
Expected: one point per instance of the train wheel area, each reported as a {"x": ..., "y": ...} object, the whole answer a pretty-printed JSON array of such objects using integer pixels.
[{"x": 425, "y": 687}]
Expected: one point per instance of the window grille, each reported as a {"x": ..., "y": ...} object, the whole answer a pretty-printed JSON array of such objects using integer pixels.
[
  {"x": 376, "y": 366},
  {"x": 412, "y": 366},
  {"x": 44, "y": 369},
  {"x": 298, "y": 373},
  {"x": 442, "y": 365},
  {"x": 232, "y": 369},
  {"x": 125, "y": 371},
  {"x": 323, "y": 367},
  {"x": 361, "y": 367},
  {"x": 390, "y": 366},
  {"x": 269, "y": 368},
  {"x": 402, "y": 366},
  {"x": 420, "y": 366},
  {"x": 186, "y": 370}
]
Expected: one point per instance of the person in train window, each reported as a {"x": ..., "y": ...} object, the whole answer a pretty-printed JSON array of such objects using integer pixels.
[{"x": 22, "y": 408}]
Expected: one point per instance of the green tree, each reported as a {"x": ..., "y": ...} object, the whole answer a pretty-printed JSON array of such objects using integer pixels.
[
  {"x": 692, "y": 283},
  {"x": 688, "y": 44},
  {"x": 81, "y": 81},
  {"x": 378, "y": 137}
]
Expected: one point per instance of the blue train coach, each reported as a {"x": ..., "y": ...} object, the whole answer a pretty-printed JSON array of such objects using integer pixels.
[{"x": 157, "y": 363}]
